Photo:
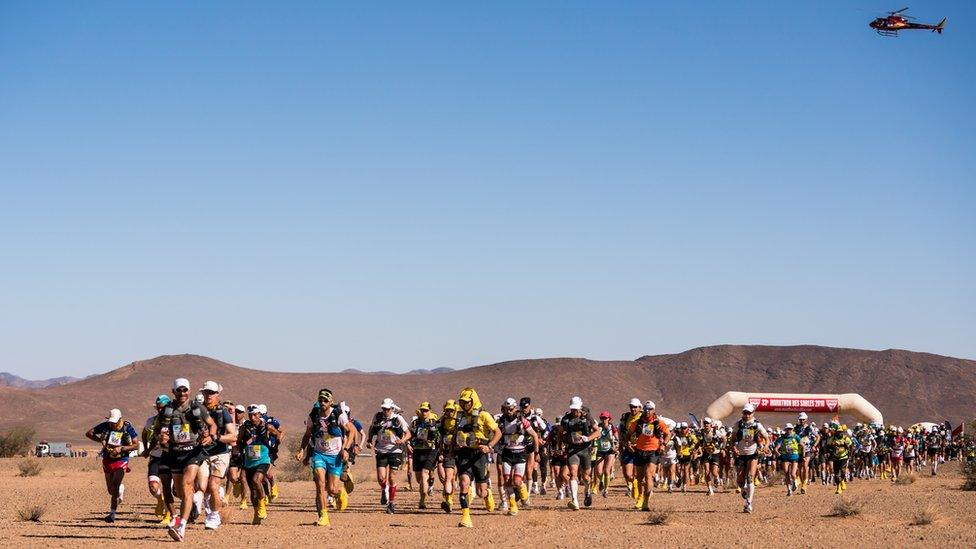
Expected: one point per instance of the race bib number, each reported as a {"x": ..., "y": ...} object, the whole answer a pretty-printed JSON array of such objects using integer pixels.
[
  {"x": 512, "y": 440},
  {"x": 115, "y": 438},
  {"x": 422, "y": 434},
  {"x": 386, "y": 437},
  {"x": 182, "y": 434},
  {"x": 254, "y": 451},
  {"x": 647, "y": 430},
  {"x": 466, "y": 440},
  {"x": 578, "y": 438},
  {"x": 605, "y": 445}
]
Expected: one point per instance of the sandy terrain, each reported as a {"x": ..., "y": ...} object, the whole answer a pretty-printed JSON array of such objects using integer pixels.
[{"x": 73, "y": 492}]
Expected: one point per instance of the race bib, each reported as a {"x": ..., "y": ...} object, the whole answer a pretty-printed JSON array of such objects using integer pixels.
[
  {"x": 422, "y": 434},
  {"x": 466, "y": 440},
  {"x": 115, "y": 438},
  {"x": 254, "y": 452},
  {"x": 605, "y": 445},
  {"x": 182, "y": 434},
  {"x": 578, "y": 438},
  {"x": 386, "y": 437},
  {"x": 647, "y": 430}
]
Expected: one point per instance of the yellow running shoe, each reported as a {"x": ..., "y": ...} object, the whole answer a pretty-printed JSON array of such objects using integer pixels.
[
  {"x": 523, "y": 492},
  {"x": 343, "y": 499},
  {"x": 843, "y": 485},
  {"x": 262, "y": 508},
  {"x": 274, "y": 492},
  {"x": 323, "y": 518},
  {"x": 512, "y": 506},
  {"x": 160, "y": 507},
  {"x": 348, "y": 483},
  {"x": 755, "y": 481},
  {"x": 167, "y": 518},
  {"x": 738, "y": 489},
  {"x": 256, "y": 517},
  {"x": 490, "y": 502},
  {"x": 465, "y": 519},
  {"x": 243, "y": 506},
  {"x": 639, "y": 501},
  {"x": 633, "y": 489}
]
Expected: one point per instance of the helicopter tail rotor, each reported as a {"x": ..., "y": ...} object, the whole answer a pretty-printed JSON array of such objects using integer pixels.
[{"x": 938, "y": 28}]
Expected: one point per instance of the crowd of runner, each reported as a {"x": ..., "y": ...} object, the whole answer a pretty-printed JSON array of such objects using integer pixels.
[{"x": 206, "y": 452}]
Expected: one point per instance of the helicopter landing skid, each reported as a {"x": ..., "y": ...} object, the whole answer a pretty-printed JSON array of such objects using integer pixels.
[{"x": 889, "y": 33}]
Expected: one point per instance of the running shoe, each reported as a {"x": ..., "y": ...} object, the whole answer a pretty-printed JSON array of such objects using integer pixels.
[
  {"x": 588, "y": 500},
  {"x": 465, "y": 519},
  {"x": 176, "y": 529}
]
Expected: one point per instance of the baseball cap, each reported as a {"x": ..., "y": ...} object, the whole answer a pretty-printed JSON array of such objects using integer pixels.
[
  {"x": 240, "y": 408},
  {"x": 803, "y": 415},
  {"x": 211, "y": 386},
  {"x": 387, "y": 404},
  {"x": 649, "y": 405},
  {"x": 253, "y": 409},
  {"x": 162, "y": 400},
  {"x": 424, "y": 406},
  {"x": 538, "y": 411},
  {"x": 749, "y": 407},
  {"x": 263, "y": 408},
  {"x": 326, "y": 394},
  {"x": 509, "y": 403},
  {"x": 181, "y": 382},
  {"x": 114, "y": 415},
  {"x": 635, "y": 402},
  {"x": 707, "y": 419},
  {"x": 576, "y": 403},
  {"x": 524, "y": 401},
  {"x": 788, "y": 426},
  {"x": 605, "y": 414}
]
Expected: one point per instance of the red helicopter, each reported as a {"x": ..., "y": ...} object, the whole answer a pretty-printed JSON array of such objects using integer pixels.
[{"x": 894, "y": 22}]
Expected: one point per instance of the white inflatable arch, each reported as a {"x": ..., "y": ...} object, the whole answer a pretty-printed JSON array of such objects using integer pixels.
[{"x": 849, "y": 403}]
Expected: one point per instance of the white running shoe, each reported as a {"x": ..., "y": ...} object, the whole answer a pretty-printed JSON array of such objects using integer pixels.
[
  {"x": 212, "y": 522},
  {"x": 121, "y": 492}
]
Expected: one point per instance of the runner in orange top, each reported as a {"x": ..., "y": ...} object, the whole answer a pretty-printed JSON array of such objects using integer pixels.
[{"x": 652, "y": 433}]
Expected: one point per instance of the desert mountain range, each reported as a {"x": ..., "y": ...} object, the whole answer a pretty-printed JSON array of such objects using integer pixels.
[{"x": 906, "y": 386}]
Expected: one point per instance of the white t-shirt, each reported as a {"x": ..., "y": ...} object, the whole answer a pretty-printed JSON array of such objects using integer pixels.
[
  {"x": 748, "y": 435},
  {"x": 386, "y": 441}
]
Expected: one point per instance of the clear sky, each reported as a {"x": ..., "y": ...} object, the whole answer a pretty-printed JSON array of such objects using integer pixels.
[{"x": 412, "y": 185}]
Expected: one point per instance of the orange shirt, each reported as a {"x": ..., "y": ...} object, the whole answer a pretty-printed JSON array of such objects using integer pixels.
[{"x": 647, "y": 439}]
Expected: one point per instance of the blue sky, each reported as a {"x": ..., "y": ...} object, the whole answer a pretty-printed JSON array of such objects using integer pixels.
[{"x": 415, "y": 185}]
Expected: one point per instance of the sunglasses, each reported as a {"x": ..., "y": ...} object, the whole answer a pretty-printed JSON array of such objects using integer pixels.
[
  {"x": 210, "y": 392},
  {"x": 181, "y": 390}
]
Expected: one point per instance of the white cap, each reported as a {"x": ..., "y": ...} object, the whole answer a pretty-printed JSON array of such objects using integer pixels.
[
  {"x": 181, "y": 382},
  {"x": 682, "y": 425},
  {"x": 538, "y": 411},
  {"x": 252, "y": 408},
  {"x": 900, "y": 429},
  {"x": 344, "y": 407},
  {"x": 749, "y": 407},
  {"x": 388, "y": 404},
  {"x": 211, "y": 386},
  {"x": 635, "y": 402},
  {"x": 240, "y": 408},
  {"x": 649, "y": 405},
  {"x": 114, "y": 415},
  {"x": 707, "y": 419},
  {"x": 510, "y": 402},
  {"x": 576, "y": 403},
  {"x": 263, "y": 408},
  {"x": 803, "y": 415},
  {"x": 788, "y": 426}
]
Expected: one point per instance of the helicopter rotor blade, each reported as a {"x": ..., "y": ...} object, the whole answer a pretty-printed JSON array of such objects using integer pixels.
[{"x": 899, "y": 11}]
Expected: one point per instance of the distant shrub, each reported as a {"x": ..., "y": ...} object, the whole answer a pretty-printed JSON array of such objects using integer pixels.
[
  {"x": 16, "y": 442},
  {"x": 31, "y": 513},
  {"x": 969, "y": 477},
  {"x": 925, "y": 516},
  {"x": 905, "y": 480},
  {"x": 29, "y": 467},
  {"x": 658, "y": 517}
]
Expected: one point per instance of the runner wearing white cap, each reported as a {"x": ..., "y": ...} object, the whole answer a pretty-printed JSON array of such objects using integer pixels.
[
  {"x": 809, "y": 439},
  {"x": 749, "y": 437},
  {"x": 627, "y": 451},
  {"x": 214, "y": 467},
  {"x": 235, "y": 468},
  {"x": 577, "y": 431},
  {"x": 516, "y": 432},
  {"x": 387, "y": 433},
  {"x": 117, "y": 438}
]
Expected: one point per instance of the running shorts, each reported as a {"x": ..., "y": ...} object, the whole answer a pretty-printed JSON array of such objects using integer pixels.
[
  {"x": 513, "y": 457},
  {"x": 110, "y": 465},
  {"x": 393, "y": 460},
  {"x": 177, "y": 461},
  {"x": 156, "y": 468},
  {"x": 790, "y": 458},
  {"x": 424, "y": 459},
  {"x": 627, "y": 457},
  {"x": 216, "y": 465},
  {"x": 713, "y": 458},
  {"x": 259, "y": 468},
  {"x": 332, "y": 464},
  {"x": 645, "y": 458},
  {"x": 742, "y": 461},
  {"x": 474, "y": 464}
]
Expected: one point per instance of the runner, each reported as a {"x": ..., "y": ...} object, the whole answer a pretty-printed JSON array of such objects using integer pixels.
[
  {"x": 650, "y": 435},
  {"x": 809, "y": 439},
  {"x": 326, "y": 442},
  {"x": 685, "y": 444},
  {"x": 235, "y": 468},
  {"x": 158, "y": 475},
  {"x": 712, "y": 445},
  {"x": 516, "y": 432},
  {"x": 897, "y": 445},
  {"x": 275, "y": 441},
  {"x": 254, "y": 439},
  {"x": 117, "y": 437},
  {"x": 789, "y": 455},
  {"x": 388, "y": 431},
  {"x": 446, "y": 465},
  {"x": 934, "y": 442},
  {"x": 577, "y": 431},
  {"x": 532, "y": 447},
  {"x": 839, "y": 445},
  {"x": 423, "y": 442},
  {"x": 475, "y": 433},
  {"x": 214, "y": 467},
  {"x": 627, "y": 450},
  {"x": 749, "y": 438},
  {"x": 606, "y": 450}
]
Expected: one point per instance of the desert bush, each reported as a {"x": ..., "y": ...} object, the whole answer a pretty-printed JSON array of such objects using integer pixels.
[
  {"x": 848, "y": 507},
  {"x": 16, "y": 442},
  {"x": 29, "y": 467},
  {"x": 31, "y": 513},
  {"x": 289, "y": 470},
  {"x": 658, "y": 517},
  {"x": 905, "y": 480},
  {"x": 925, "y": 516},
  {"x": 969, "y": 477}
]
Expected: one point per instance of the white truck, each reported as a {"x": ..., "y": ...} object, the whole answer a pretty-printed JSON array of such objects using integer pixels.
[{"x": 53, "y": 449}]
